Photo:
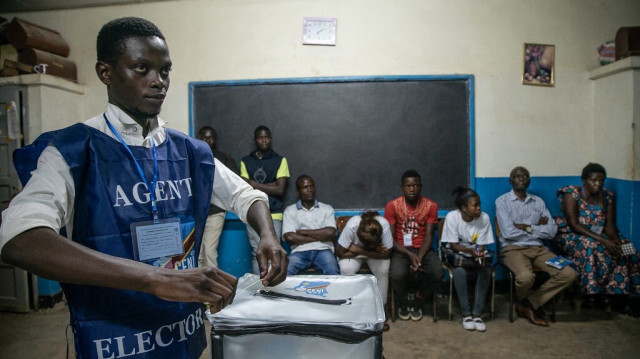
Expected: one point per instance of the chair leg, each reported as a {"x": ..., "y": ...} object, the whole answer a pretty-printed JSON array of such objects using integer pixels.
[
  {"x": 450, "y": 297},
  {"x": 553, "y": 309},
  {"x": 435, "y": 306},
  {"x": 511, "y": 295},
  {"x": 577, "y": 303},
  {"x": 493, "y": 292},
  {"x": 393, "y": 305}
]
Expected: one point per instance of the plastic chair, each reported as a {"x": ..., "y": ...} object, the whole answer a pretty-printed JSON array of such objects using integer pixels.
[
  {"x": 449, "y": 269},
  {"x": 512, "y": 280}
]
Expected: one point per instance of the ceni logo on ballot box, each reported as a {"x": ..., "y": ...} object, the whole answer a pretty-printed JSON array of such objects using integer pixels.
[{"x": 318, "y": 288}]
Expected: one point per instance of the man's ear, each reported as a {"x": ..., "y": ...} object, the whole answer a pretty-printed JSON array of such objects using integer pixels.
[{"x": 103, "y": 70}]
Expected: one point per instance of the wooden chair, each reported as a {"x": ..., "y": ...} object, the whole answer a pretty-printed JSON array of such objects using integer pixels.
[
  {"x": 449, "y": 269},
  {"x": 512, "y": 279}
]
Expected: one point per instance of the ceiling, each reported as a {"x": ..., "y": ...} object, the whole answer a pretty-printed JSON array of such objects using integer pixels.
[{"x": 40, "y": 5}]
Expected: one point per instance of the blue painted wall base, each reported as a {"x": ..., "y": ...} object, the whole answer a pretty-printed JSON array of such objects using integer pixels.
[
  {"x": 48, "y": 287},
  {"x": 234, "y": 253}
]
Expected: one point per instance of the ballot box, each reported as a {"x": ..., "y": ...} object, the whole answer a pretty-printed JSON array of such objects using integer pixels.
[{"x": 316, "y": 316}]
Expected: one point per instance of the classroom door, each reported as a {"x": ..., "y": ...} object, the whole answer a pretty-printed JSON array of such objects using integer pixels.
[{"x": 14, "y": 282}]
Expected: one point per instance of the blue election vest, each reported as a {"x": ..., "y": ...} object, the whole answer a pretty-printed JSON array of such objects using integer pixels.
[{"x": 110, "y": 195}]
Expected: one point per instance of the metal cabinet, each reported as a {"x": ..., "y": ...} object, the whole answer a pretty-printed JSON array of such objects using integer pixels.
[{"x": 29, "y": 105}]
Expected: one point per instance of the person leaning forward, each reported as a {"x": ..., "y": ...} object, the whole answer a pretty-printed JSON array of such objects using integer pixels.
[
  {"x": 98, "y": 179},
  {"x": 524, "y": 222}
]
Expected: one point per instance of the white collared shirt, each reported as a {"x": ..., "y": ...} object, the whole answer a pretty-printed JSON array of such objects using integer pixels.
[
  {"x": 48, "y": 198},
  {"x": 297, "y": 217}
]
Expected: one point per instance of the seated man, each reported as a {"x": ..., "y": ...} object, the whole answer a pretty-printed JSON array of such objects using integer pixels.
[
  {"x": 524, "y": 222},
  {"x": 367, "y": 237},
  {"x": 413, "y": 219},
  {"x": 310, "y": 227}
]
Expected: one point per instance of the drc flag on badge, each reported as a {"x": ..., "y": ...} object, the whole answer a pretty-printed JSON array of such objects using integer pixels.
[{"x": 318, "y": 288}]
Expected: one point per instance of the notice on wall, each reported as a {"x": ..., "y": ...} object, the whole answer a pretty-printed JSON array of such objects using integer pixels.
[{"x": 13, "y": 121}]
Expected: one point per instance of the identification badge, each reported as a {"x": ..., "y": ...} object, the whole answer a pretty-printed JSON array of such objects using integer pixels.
[
  {"x": 156, "y": 240},
  {"x": 408, "y": 239},
  {"x": 597, "y": 229}
]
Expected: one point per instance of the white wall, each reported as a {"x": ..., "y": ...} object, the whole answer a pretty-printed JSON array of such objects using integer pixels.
[
  {"x": 617, "y": 115},
  {"x": 549, "y": 130}
]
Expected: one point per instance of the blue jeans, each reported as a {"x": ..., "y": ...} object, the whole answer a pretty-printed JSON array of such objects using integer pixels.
[
  {"x": 482, "y": 285},
  {"x": 324, "y": 261}
]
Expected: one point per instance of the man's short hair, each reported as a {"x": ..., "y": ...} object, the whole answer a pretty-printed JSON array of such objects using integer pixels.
[
  {"x": 518, "y": 168},
  {"x": 410, "y": 174},
  {"x": 300, "y": 178},
  {"x": 204, "y": 128},
  {"x": 111, "y": 38},
  {"x": 259, "y": 129}
]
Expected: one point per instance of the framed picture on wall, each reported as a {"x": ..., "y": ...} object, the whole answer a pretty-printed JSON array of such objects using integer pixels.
[{"x": 538, "y": 66}]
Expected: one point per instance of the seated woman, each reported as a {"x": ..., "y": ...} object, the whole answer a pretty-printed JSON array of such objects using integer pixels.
[
  {"x": 467, "y": 231},
  {"x": 589, "y": 237},
  {"x": 367, "y": 237}
]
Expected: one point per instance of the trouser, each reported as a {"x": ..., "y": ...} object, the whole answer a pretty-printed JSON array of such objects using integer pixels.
[
  {"x": 460, "y": 277},
  {"x": 379, "y": 268},
  {"x": 521, "y": 260},
  {"x": 254, "y": 240},
  {"x": 210, "y": 240},
  {"x": 322, "y": 260},
  {"x": 426, "y": 279}
]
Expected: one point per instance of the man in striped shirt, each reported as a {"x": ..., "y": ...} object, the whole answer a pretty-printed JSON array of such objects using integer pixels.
[{"x": 524, "y": 223}]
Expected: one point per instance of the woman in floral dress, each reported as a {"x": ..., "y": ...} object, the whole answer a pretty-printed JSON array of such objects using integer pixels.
[{"x": 588, "y": 235}]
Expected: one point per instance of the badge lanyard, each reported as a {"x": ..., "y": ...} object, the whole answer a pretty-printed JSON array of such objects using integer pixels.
[
  {"x": 407, "y": 236},
  {"x": 152, "y": 193}
]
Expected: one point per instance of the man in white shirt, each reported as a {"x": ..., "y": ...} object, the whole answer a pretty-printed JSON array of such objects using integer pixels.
[
  {"x": 86, "y": 182},
  {"x": 310, "y": 227}
]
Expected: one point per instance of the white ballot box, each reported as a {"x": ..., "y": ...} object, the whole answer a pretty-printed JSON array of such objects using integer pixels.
[{"x": 317, "y": 316}]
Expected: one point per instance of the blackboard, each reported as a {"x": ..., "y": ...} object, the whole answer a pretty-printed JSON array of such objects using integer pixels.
[{"x": 355, "y": 136}]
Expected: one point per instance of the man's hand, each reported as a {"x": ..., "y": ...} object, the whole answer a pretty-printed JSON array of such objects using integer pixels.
[
  {"x": 356, "y": 249},
  {"x": 543, "y": 220},
  {"x": 272, "y": 260},
  {"x": 382, "y": 249},
  {"x": 520, "y": 226},
  {"x": 414, "y": 262},
  {"x": 205, "y": 285}
]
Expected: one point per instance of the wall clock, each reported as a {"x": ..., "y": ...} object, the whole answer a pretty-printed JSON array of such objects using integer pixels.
[{"x": 319, "y": 31}]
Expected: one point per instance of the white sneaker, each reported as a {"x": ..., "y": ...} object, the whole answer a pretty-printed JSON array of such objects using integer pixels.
[
  {"x": 467, "y": 323},
  {"x": 479, "y": 324}
]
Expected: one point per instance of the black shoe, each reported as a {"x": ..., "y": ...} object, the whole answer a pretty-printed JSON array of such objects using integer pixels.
[
  {"x": 403, "y": 313},
  {"x": 416, "y": 313}
]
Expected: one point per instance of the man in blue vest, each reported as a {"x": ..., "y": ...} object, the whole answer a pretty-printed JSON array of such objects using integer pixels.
[
  {"x": 133, "y": 198},
  {"x": 265, "y": 170}
]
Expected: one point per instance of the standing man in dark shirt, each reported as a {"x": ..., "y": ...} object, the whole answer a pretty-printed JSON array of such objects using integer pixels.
[
  {"x": 267, "y": 171},
  {"x": 215, "y": 219}
]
